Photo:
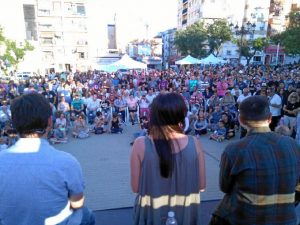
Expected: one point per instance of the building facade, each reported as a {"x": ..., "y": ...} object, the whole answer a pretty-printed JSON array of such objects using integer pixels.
[
  {"x": 61, "y": 33},
  {"x": 236, "y": 12},
  {"x": 278, "y": 15},
  {"x": 169, "y": 50},
  {"x": 56, "y": 28}
]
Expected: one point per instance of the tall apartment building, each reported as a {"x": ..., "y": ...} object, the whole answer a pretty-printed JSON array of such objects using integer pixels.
[
  {"x": 234, "y": 11},
  {"x": 169, "y": 50},
  {"x": 56, "y": 28},
  {"x": 278, "y": 17},
  {"x": 61, "y": 32}
]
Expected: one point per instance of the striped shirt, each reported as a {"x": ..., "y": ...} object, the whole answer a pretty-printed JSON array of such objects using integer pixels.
[{"x": 259, "y": 175}]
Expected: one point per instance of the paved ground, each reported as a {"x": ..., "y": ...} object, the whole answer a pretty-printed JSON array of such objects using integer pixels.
[{"x": 105, "y": 162}]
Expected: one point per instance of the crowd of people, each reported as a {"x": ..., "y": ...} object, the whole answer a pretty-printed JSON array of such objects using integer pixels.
[
  {"x": 99, "y": 102},
  {"x": 259, "y": 174}
]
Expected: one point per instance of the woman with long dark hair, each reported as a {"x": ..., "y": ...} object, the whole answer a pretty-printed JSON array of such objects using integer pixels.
[{"x": 167, "y": 168}]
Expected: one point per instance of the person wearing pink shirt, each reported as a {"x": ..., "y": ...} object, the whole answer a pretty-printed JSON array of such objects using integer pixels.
[{"x": 221, "y": 88}]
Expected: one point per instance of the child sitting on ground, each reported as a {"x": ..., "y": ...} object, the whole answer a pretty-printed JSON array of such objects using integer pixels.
[
  {"x": 144, "y": 128},
  {"x": 219, "y": 133},
  {"x": 115, "y": 125},
  {"x": 60, "y": 133},
  {"x": 200, "y": 125},
  {"x": 99, "y": 123}
]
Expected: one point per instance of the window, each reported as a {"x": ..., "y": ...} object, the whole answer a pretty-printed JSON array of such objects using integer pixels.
[
  {"x": 257, "y": 58},
  {"x": 47, "y": 40},
  {"x": 81, "y": 10},
  {"x": 81, "y": 55},
  {"x": 228, "y": 52},
  {"x": 56, "y": 6}
]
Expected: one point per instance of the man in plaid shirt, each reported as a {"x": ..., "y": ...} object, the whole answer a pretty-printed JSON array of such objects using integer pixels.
[{"x": 259, "y": 173}]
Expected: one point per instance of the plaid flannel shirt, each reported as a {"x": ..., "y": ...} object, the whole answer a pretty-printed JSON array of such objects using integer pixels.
[{"x": 259, "y": 175}]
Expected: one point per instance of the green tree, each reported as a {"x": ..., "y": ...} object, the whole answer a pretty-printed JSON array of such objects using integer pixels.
[
  {"x": 192, "y": 40},
  {"x": 290, "y": 38},
  {"x": 13, "y": 53},
  {"x": 248, "y": 48},
  {"x": 218, "y": 33}
]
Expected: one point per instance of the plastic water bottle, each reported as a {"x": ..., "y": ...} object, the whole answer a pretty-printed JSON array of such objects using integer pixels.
[{"x": 171, "y": 219}]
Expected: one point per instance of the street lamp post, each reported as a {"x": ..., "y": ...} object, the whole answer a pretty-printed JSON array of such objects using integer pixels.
[{"x": 247, "y": 29}]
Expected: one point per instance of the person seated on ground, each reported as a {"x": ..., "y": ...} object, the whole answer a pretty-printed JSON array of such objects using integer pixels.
[
  {"x": 212, "y": 102},
  {"x": 60, "y": 129},
  {"x": 115, "y": 125},
  {"x": 99, "y": 123},
  {"x": 283, "y": 130},
  {"x": 200, "y": 125},
  {"x": 80, "y": 129},
  {"x": 214, "y": 118},
  {"x": 229, "y": 125},
  {"x": 49, "y": 182},
  {"x": 220, "y": 133},
  {"x": 144, "y": 128}
]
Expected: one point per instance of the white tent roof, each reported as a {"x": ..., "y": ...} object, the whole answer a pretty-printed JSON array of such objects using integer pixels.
[
  {"x": 188, "y": 60},
  {"x": 124, "y": 63},
  {"x": 211, "y": 59}
]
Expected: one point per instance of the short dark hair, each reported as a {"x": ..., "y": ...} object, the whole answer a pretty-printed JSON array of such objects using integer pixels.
[
  {"x": 30, "y": 113},
  {"x": 255, "y": 108}
]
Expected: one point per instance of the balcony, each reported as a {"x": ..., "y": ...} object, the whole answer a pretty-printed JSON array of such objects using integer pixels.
[
  {"x": 184, "y": 22},
  {"x": 184, "y": 1},
  {"x": 184, "y": 11}
]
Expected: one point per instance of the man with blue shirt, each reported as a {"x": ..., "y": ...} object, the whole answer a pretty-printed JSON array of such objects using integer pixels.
[{"x": 39, "y": 184}]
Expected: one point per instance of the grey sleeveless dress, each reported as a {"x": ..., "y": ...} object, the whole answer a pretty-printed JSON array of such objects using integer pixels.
[{"x": 179, "y": 193}]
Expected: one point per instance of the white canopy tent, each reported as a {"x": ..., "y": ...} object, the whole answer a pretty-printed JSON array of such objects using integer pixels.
[
  {"x": 211, "y": 59},
  {"x": 124, "y": 63},
  {"x": 188, "y": 60}
]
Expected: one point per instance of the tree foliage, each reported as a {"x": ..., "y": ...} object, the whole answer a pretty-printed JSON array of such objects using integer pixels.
[
  {"x": 248, "y": 48},
  {"x": 14, "y": 54},
  {"x": 196, "y": 39},
  {"x": 218, "y": 33},
  {"x": 192, "y": 40},
  {"x": 290, "y": 38}
]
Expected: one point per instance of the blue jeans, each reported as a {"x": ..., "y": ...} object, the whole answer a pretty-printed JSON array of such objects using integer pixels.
[{"x": 116, "y": 130}]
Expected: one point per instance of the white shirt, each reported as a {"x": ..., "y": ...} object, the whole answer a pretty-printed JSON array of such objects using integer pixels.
[
  {"x": 276, "y": 99},
  {"x": 242, "y": 98},
  {"x": 92, "y": 104},
  {"x": 150, "y": 98}
]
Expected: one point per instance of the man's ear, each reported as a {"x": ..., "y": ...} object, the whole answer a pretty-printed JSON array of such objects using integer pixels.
[
  {"x": 242, "y": 122},
  {"x": 50, "y": 123}
]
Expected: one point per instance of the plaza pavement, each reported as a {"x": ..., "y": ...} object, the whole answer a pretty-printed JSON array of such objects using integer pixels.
[{"x": 105, "y": 163}]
